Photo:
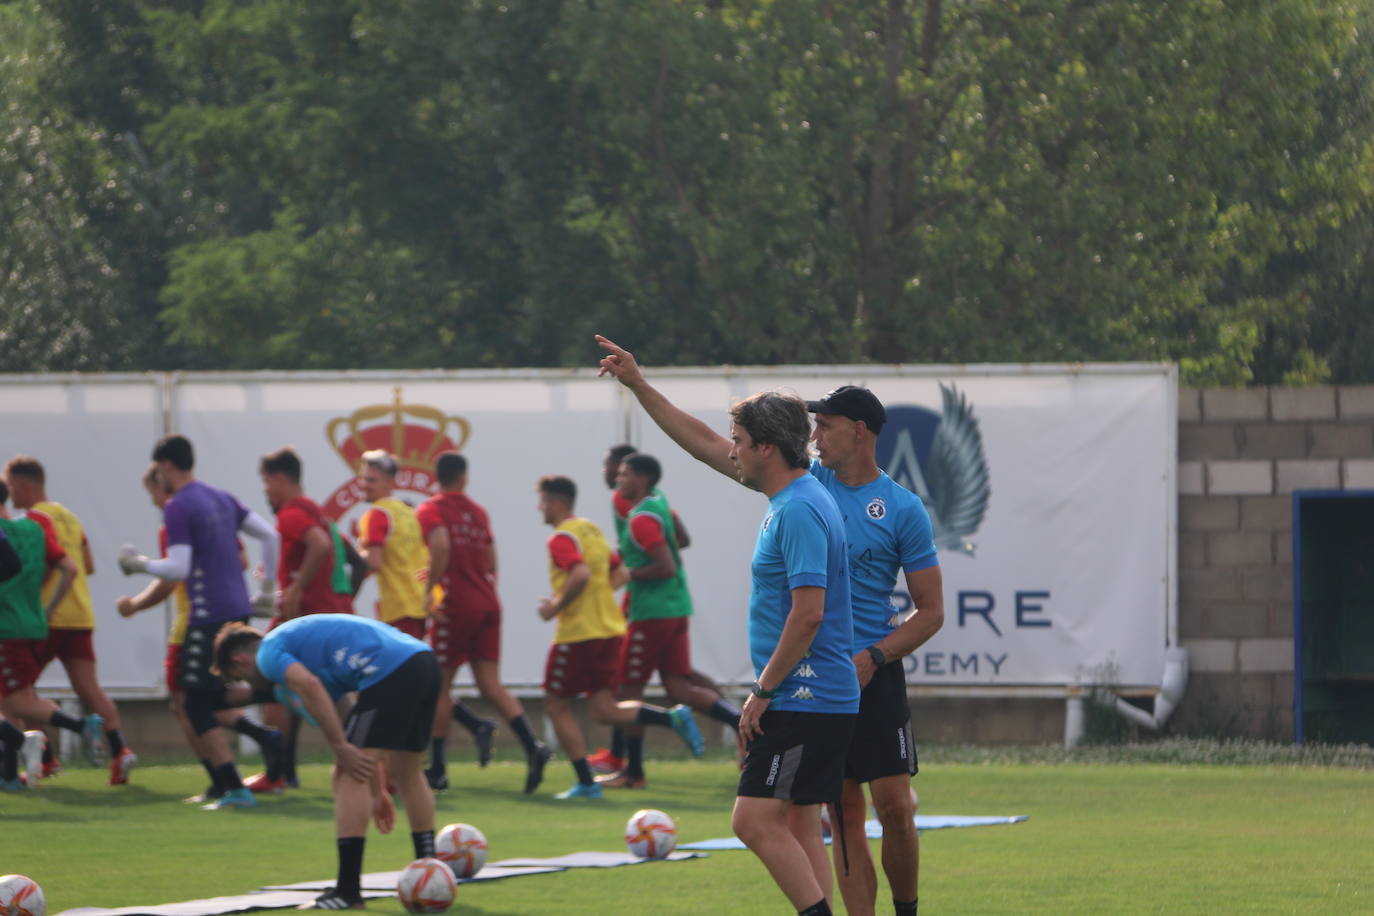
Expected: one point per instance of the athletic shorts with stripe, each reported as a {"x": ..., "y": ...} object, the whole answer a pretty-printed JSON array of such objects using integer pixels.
[
  {"x": 397, "y": 712},
  {"x": 799, "y": 757},
  {"x": 883, "y": 743}
]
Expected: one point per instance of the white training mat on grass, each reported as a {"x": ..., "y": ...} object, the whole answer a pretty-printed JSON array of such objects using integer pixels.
[
  {"x": 596, "y": 860},
  {"x": 386, "y": 880},
  {"x": 215, "y": 906},
  {"x": 874, "y": 830}
]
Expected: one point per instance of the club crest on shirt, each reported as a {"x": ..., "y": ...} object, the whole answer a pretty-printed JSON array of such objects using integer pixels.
[{"x": 877, "y": 509}]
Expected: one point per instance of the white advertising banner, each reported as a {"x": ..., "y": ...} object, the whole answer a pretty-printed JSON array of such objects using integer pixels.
[{"x": 1052, "y": 490}]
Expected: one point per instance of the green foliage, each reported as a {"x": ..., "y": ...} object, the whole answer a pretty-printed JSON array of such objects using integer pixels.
[{"x": 377, "y": 183}]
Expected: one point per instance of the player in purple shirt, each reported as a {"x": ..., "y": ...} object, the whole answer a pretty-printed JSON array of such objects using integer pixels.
[{"x": 203, "y": 524}]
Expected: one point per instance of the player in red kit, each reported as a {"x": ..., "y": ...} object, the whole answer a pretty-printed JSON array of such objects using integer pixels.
[{"x": 465, "y": 628}]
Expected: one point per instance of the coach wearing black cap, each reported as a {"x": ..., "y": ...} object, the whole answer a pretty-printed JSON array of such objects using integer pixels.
[{"x": 887, "y": 529}]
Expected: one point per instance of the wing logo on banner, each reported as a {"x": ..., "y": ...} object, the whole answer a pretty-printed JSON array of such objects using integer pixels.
[{"x": 940, "y": 457}]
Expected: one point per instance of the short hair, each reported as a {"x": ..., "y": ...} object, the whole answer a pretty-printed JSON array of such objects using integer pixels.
[
  {"x": 284, "y": 461},
  {"x": 233, "y": 639},
  {"x": 177, "y": 450},
  {"x": 26, "y": 466},
  {"x": 449, "y": 466},
  {"x": 559, "y": 486},
  {"x": 778, "y": 419},
  {"x": 645, "y": 466},
  {"x": 380, "y": 460},
  {"x": 4, "y": 492},
  {"x": 617, "y": 453}
]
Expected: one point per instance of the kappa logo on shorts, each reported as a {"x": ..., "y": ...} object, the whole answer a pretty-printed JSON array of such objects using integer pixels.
[
  {"x": 901, "y": 742},
  {"x": 773, "y": 770},
  {"x": 877, "y": 509}
]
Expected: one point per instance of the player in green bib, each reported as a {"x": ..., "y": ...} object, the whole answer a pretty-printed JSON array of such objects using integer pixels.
[{"x": 659, "y": 608}]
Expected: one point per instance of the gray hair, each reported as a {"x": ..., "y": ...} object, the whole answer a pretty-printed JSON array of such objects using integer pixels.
[
  {"x": 779, "y": 419},
  {"x": 380, "y": 460}
]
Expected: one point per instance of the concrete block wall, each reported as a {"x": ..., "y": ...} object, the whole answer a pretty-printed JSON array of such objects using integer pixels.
[{"x": 1241, "y": 454}]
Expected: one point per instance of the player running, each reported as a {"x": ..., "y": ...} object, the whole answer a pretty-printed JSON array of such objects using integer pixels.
[
  {"x": 203, "y": 524},
  {"x": 660, "y": 608},
  {"x": 23, "y": 630},
  {"x": 797, "y": 721},
  {"x": 72, "y": 625},
  {"x": 465, "y": 623},
  {"x": 586, "y": 651},
  {"x": 322, "y": 657}
]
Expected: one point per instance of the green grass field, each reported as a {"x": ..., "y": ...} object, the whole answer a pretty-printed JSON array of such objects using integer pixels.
[{"x": 1107, "y": 837}]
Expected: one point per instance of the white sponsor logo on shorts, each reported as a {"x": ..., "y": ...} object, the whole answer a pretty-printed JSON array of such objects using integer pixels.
[
  {"x": 901, "y": 742},
  {"x": 773, "y": 770}
]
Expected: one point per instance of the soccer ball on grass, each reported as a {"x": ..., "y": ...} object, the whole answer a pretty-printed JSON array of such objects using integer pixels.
[{"x": 426, "y": 886}]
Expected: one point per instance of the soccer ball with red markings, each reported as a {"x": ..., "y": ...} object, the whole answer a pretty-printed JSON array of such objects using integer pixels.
[
  {"x": 463, "y": 847},
  {"x": 426, "y": 886},
  {"x": 20, "y": 896},
  {"x": 650, "y": 834}
]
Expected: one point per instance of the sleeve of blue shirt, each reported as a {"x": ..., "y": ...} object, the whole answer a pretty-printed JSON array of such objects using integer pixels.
[
  {"x": 801, "y": 537},
  {"x": 916, "y": 538},
  {"x": 274, "y": 659}
]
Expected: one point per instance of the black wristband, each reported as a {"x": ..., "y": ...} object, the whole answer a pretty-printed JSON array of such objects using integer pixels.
[{"x": 877, "y": 655}]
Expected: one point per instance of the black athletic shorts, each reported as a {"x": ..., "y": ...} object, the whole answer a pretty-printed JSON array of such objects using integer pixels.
[
  {"x": 397, "y": 712},
  {"x": 800, "y": 757},
  {"x": 198, "y": 656},
  {"x": 883, "y": 744}
]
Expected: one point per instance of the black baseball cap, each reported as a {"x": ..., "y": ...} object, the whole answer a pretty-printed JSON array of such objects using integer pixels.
[{"x": 855, "y": 403}]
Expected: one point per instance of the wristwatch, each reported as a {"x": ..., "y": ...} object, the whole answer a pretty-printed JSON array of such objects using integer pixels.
[
  {"x": 877, "y": 655},
  {"x": 758, "y": 690}
]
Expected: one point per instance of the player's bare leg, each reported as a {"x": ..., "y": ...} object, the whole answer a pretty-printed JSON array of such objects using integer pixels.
[
  {"x": 901, "y": 841},
  {"x": 859, "y": 888},
  {"x": 805, "y": 823},
  {"x": 763, "y": 825}
]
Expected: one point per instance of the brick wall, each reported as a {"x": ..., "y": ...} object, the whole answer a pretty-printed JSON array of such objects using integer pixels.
[{"x": 1241, "y": 454}]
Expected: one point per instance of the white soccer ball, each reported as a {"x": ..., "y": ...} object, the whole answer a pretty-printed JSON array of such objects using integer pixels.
[
  {"x": 650, "y": 834},
  {"x": 426, "y": 886},
  {"x": 20, "y": 896},
  {"x": 463, "y": 847}
]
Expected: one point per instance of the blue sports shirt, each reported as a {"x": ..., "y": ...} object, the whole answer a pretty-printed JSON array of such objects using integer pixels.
[
  {"x": 888, "y": 528},
  {"x": 801, "y": 543},
  {"x": 344, "y": 651}
]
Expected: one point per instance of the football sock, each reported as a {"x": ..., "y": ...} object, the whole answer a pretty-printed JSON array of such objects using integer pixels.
[
  {"x": 466, "y": 717},
  {"x": 723, "y": 710},
  {"x": 584, "y": 771},
  {"x": 904, "y": 907},
  {"x": 11, "y": 739},
  {"x": 423, "y": 841},
  {"x": 819, "y": 908},
  {"x": 227, "y": 776},
  {"x": 651, "y": 715},
  {"x": 634, "y": 756},
  {"x": 214, "y": 776},
  {"x": 116, "y": 741},
  {"x": 618, "y": 742},
  {"x": 350, "y": 866},
  {"x": 437, "y": 758},
  {"x": 259, "y": 733},
  {"x": 60, "y": 719},
  {"x": 521, "y": 727}
]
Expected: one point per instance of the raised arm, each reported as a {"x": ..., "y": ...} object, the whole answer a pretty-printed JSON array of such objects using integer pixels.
[{"x": 695, "y": 437}]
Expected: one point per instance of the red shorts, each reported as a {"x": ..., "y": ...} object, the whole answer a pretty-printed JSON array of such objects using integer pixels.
[
  {"x": 575, "y": 668},
  {"x": 66, "y": 645},
  {"x": 655, "y": 645},
  {"x": 461, "y": 638},
  {"x": 19, "y": 664},
  {"x": 411, "y": 626},
  {"x": 169, "y": 666}
]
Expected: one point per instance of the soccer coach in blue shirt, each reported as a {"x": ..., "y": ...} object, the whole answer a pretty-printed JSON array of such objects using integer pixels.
[
  {"x": 797, "y": 721},
  {"x": 888, "y": 529}
]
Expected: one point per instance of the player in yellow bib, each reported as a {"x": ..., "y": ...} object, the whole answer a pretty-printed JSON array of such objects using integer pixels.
[
  {"x": 585, "y": 656},
  {"x": 389, "y": 537},
  {"x": 72, "y": 625}
]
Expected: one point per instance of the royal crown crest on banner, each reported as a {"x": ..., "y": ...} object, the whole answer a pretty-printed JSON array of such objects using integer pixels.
[{"x": 414, "y": 433}]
